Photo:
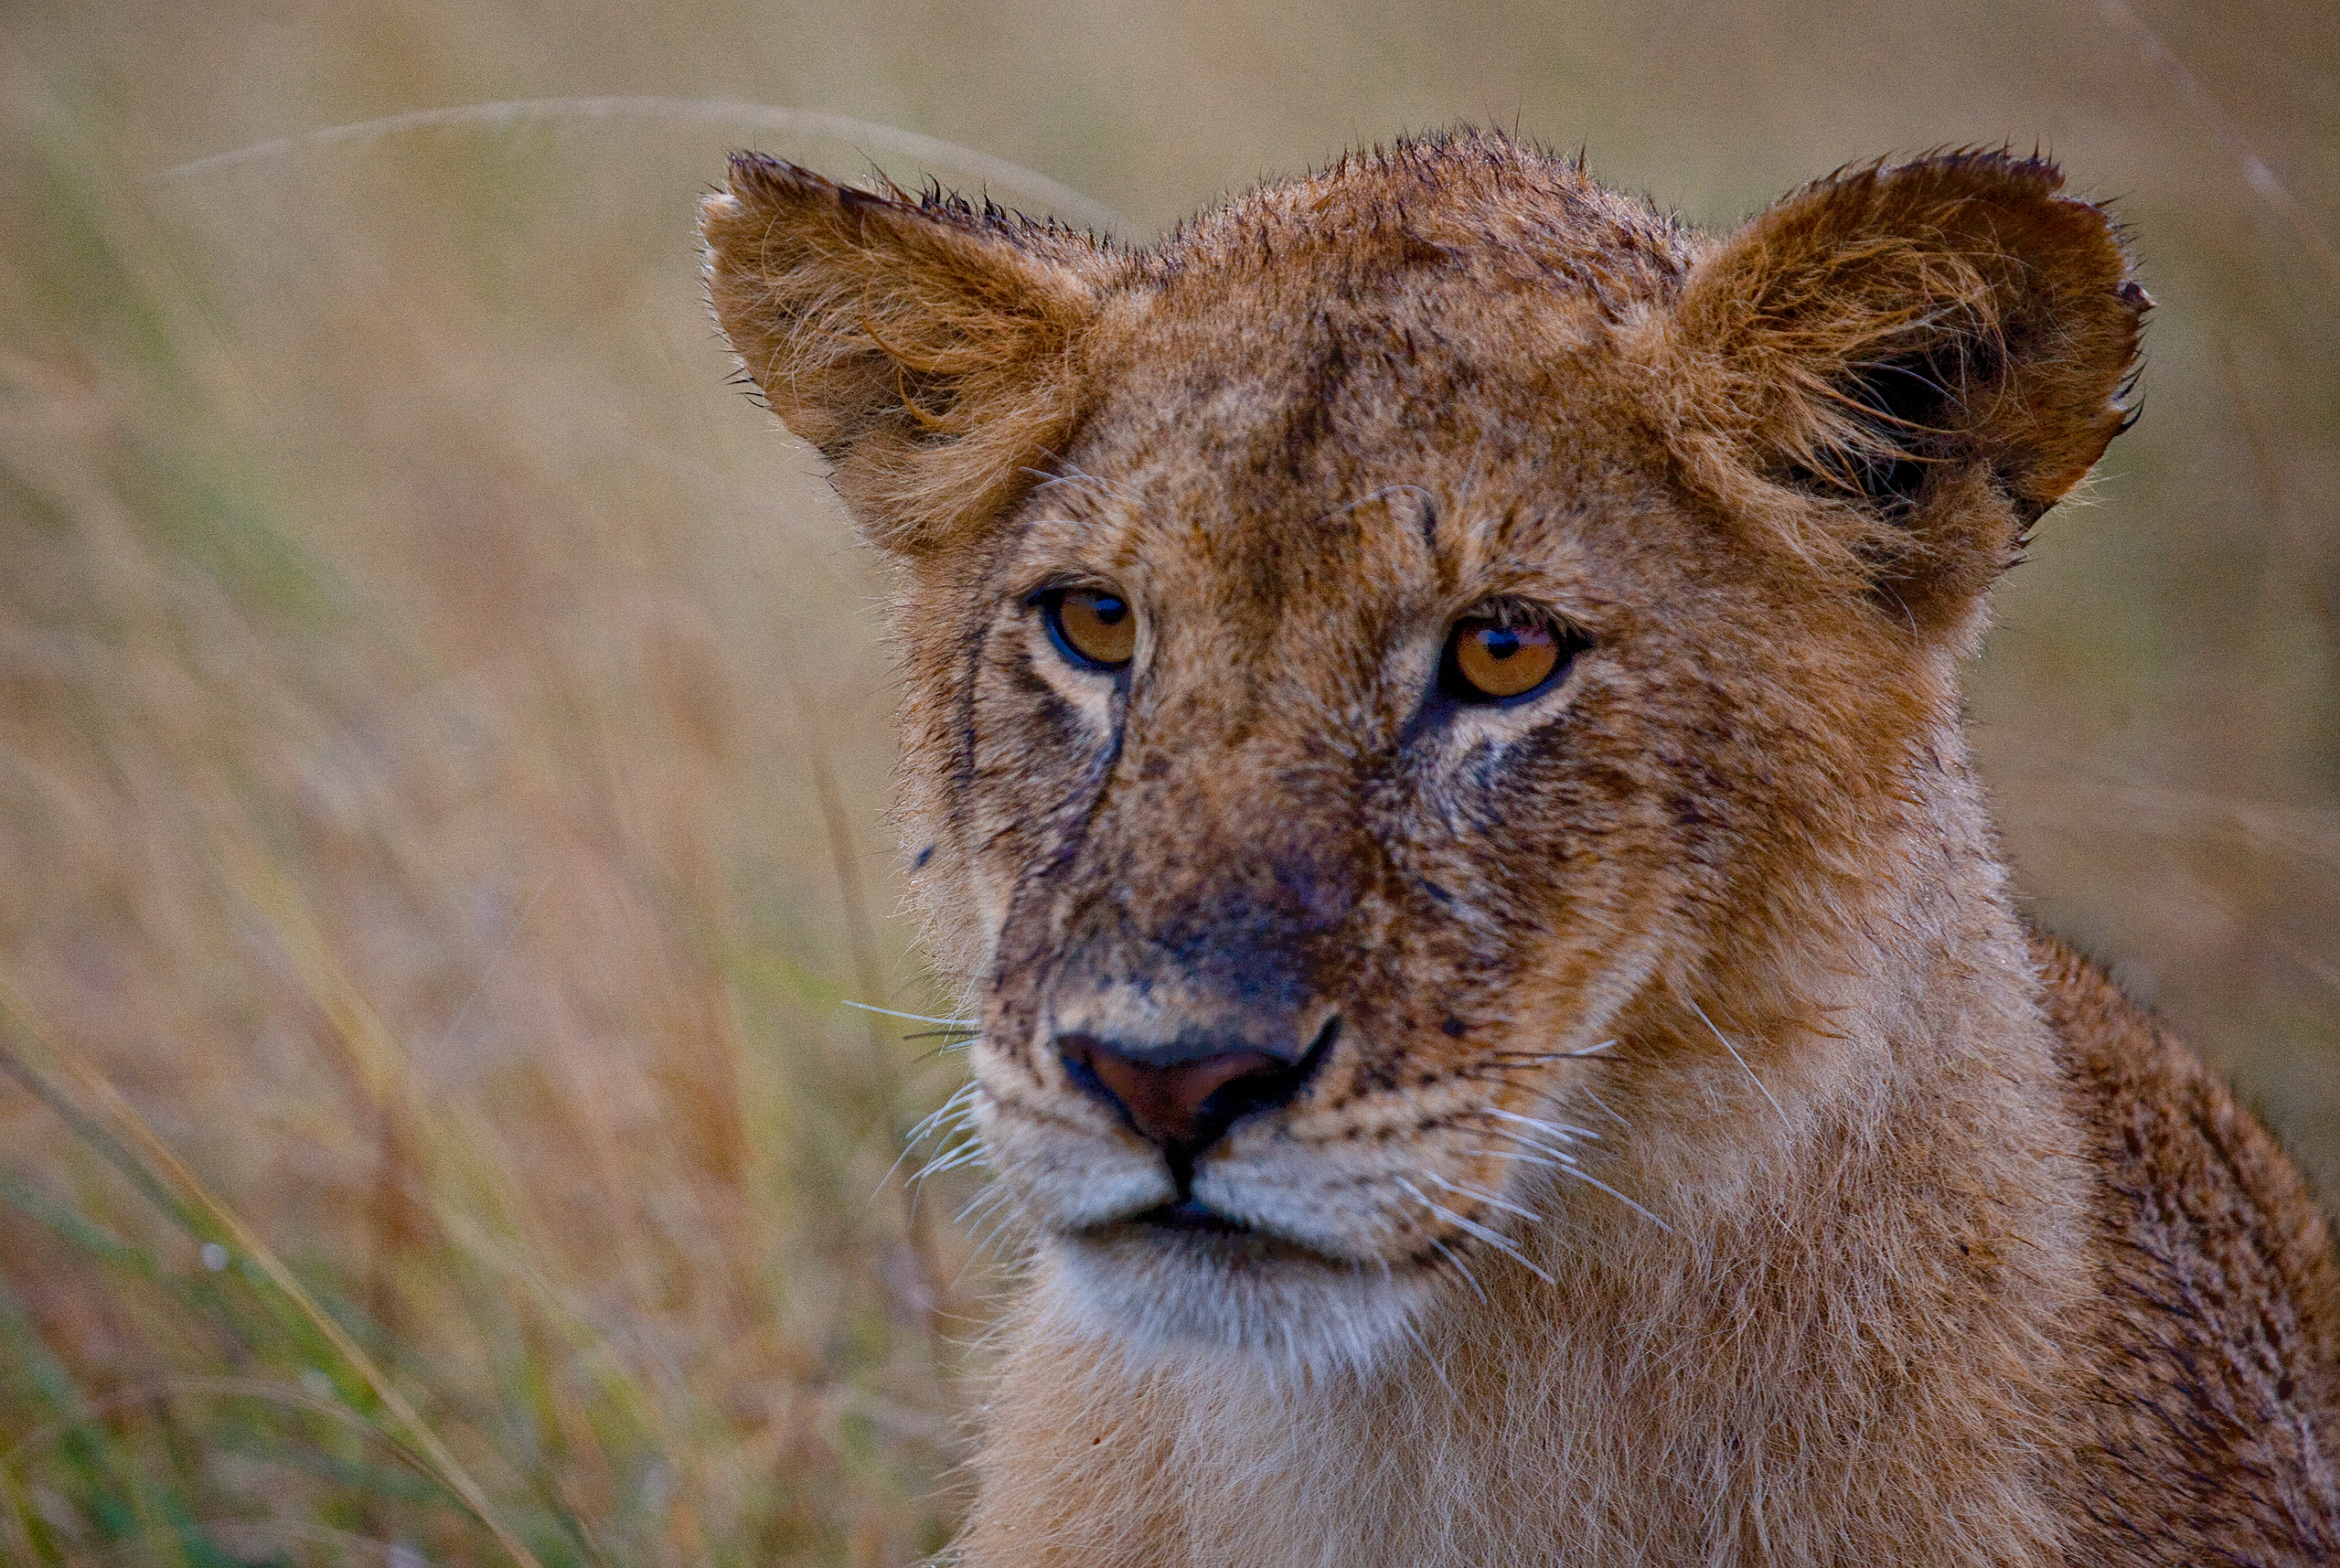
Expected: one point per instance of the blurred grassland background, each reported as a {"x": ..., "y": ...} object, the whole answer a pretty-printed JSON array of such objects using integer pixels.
[{"x": 443, "y": 727}]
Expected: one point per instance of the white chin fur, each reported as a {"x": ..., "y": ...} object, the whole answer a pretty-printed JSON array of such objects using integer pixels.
[{"x": 1163, "y": 1299}]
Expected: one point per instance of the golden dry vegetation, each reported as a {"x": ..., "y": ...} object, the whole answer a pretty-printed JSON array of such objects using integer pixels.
[{"x": 444, "y": 730}]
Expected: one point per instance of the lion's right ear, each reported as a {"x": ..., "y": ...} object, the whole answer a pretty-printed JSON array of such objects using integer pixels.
[
  {"x": 926, "y": 348},
  {"x": 1902, "y": 368}
]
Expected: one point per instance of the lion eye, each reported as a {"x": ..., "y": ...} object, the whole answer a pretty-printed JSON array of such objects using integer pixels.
[
  {"x": 1093, "y": 627},
  {"x": 1489, "y": 660}
]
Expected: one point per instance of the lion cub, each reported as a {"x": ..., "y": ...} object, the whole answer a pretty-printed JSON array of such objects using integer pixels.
[{"x": 1433, "y": 743}]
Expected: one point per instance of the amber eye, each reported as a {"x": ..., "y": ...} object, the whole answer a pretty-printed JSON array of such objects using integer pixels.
[
  {"x": 1091, "y": 627},
  {"x": 1489, "y": 659}
]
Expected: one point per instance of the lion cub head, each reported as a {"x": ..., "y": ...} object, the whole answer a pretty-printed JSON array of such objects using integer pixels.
[{"x": 1379, "y": 658}]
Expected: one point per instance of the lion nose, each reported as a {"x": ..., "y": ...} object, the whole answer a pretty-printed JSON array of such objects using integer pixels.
[{"x": 1178, "y": 1102}]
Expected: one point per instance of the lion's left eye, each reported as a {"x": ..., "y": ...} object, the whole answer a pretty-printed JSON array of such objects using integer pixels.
[
  {"x": 1093, "y": 627},
  {"x": 1493, "y": 658}
]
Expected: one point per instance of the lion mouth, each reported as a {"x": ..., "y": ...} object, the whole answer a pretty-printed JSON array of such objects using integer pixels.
[
  {"x": 1190, "y": 1226},
  {"x": 1192, "y": 1216}
]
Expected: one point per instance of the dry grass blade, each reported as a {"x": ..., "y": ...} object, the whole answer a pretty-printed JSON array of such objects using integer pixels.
[
  {"x": 1054, "y": 197},
  {"x": 255, "y": 1388},
  {"x": 2229, "y": 135}
]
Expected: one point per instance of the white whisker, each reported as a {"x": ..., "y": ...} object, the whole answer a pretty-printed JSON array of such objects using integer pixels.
[
  {"x": 1559, "y": 1155},
  {"x": 1604, "y": 1187},
  {"x": 1473, "y": 1228},
  {"x": 1557, "y": 1055},
  {"x": 1606, "y": 1111},
  {"x": 991, "y": 1197},
  {"x": 1514, "y": 1155},
  {"x": 985, "y": 1239},
  {"x": 962, "y": 1099},
  {"x": 1568, "y": 1166},
  {"x": 1460, "y": 1267},
  {"x": 1741, "y": 1060},
  {"x": 1566, "y": 1131},
  {"x": 1569, "y": 1100},
  {"x": 914, "y": 1018},
  {"x": 1478, "y": 1197},
  {"x": 953, "y": 1159},
  {"x": 957, "y": 1108},
  {"x": 1413, "y": 1334},
  {"x": 991, "y": 1225}
]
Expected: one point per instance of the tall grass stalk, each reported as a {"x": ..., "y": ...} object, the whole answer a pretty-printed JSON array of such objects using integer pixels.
[{"x": 97, "y": 1110}]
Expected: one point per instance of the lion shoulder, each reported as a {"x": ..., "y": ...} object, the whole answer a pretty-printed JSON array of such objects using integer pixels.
[{"x": 2217, "y": 1320}]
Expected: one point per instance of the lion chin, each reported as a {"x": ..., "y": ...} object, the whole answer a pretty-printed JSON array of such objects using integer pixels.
[{"x": 1157, "y": 1295}]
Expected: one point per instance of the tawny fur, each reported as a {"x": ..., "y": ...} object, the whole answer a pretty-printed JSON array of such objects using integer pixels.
[{"x": 1706, "y": 1167}]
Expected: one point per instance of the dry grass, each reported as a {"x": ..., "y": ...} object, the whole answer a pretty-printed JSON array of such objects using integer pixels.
[{"x": 443, "y": 732}]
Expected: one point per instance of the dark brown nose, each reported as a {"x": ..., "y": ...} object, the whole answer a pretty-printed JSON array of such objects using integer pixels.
[{"x": 1184, "y": 1104}]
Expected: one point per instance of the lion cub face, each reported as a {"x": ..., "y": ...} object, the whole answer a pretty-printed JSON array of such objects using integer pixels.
[
  {"x": 1365, "y": 649},
  {"x": 1304, "y": 911}
]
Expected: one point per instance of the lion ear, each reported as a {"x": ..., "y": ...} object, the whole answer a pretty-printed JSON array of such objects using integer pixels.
[
  {"x": 1934, "y": 352},
  {"x": 924, "y": 346}
]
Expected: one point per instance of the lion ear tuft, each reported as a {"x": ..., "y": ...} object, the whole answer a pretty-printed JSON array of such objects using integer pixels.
[
  {"x": 1904, "y": 343},
  {"x": 923, "y": 346}
]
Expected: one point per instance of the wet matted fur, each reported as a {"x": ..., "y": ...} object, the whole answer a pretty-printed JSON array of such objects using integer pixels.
[{"x": 1655, "y": 1140}]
